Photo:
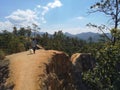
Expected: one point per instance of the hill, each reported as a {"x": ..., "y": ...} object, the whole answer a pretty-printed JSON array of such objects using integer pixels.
[{"x": 84, "y": 36}]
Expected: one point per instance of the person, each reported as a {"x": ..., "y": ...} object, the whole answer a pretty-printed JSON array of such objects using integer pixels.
[{"x": 34, "y": 43}]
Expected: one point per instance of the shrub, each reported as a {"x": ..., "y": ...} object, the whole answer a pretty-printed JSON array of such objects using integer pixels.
[{"x": 2, "y": 55}]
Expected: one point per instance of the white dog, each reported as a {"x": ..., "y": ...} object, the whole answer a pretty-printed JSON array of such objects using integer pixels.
[{"x": 31, "y": 51}]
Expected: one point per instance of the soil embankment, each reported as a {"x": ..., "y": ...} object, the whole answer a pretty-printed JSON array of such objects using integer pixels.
[{"x": 26, "y": 69}]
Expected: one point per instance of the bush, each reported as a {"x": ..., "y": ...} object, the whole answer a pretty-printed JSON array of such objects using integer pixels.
[
  {"x": 15, "y": 46},
  {"x": 2, "y": 55}
]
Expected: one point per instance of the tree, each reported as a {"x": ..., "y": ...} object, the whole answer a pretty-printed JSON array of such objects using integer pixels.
[
  {"x": 28, "y": 31},
  {"x": 2, "y": 55},
  {"x": 35, "y": 29},
  {"x": 106, "y": 74},
  {"x": 110, "y": 8},
  {"x": 22, "y": 31},
  {"x": 58, "y": 41},
  {"x": 15, "y": 46}
]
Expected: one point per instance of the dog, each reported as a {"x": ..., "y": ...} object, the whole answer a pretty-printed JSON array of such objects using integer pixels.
[{"x": 31, "y": 51}]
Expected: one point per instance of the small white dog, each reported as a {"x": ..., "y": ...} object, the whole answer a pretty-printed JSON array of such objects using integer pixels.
[{"x": 31, "y": 51}]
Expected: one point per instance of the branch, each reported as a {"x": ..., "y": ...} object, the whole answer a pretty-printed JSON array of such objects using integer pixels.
[
  {"x": 104, "y": 33},
  {"x": 100, "y": 28}
]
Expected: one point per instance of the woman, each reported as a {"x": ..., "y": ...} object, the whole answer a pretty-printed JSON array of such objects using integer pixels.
[{"x": 34, "y": 43}]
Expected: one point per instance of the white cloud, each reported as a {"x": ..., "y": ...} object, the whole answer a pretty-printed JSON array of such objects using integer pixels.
[
  {"x": 23, "y": 17},
  {"x": 80, "y": 18},
  {"x": 28, "y": 17},
  {"x": 55, "y": 4},
  {"x": 38, "y": 6},
  {"x": 41, "y": 11},
  {"x": 6, "y": 25},
  {"x": 45, "y": 10},
  {"x": 49, "y": 6}
]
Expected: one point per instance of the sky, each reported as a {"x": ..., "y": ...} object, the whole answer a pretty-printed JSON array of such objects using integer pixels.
[{"x": 50, "y": 15}]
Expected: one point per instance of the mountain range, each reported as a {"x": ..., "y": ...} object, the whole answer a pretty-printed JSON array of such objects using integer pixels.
[{"x": 84, "y": 36}]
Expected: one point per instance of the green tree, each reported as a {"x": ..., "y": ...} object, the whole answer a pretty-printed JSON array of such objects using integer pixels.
[
  {"x": 106, "y": 74},
  {"x": 16, "y": 46},
  {"x": 2, "y": 54},
  {"x": 58, "y": 41},
  {"x": 22, "y": 31},
  {"x": 28, "y": 31},
  {"x": 10, "y": 43},
  {"x": 110, "y": 8}
]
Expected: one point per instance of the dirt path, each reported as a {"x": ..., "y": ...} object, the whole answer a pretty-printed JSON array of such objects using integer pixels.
[{"x": 25, "y": 69}]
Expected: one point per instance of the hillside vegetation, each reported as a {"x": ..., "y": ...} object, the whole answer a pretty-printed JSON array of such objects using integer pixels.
[{"x": 105, "y": 74}]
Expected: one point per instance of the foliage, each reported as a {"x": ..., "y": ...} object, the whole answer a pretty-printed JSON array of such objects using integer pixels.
[
  {"x": 10, "y": 43},
  {"x": 110, "y": 8},
  {"x": 58, "y": 41},
  {"x": 106, "y": 74},
  {"x": 19, "y": 40},
  {"x": 2, "y": 55},
  {"x": 16, "y": 46}
]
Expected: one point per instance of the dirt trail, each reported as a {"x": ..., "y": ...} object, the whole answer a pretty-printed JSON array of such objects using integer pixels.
[{"x": 25, "y": 69}]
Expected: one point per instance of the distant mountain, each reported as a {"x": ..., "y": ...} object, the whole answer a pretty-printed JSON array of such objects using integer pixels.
[
  {"x": 69, "y": 35},
  {"x": 85, "y": 36}
]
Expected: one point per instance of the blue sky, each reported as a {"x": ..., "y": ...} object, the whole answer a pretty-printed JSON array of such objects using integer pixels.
[{"x": 50, "y": 15}]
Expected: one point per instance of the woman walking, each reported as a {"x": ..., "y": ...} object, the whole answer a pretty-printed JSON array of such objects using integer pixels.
[{"x": 34, "y": 43}]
